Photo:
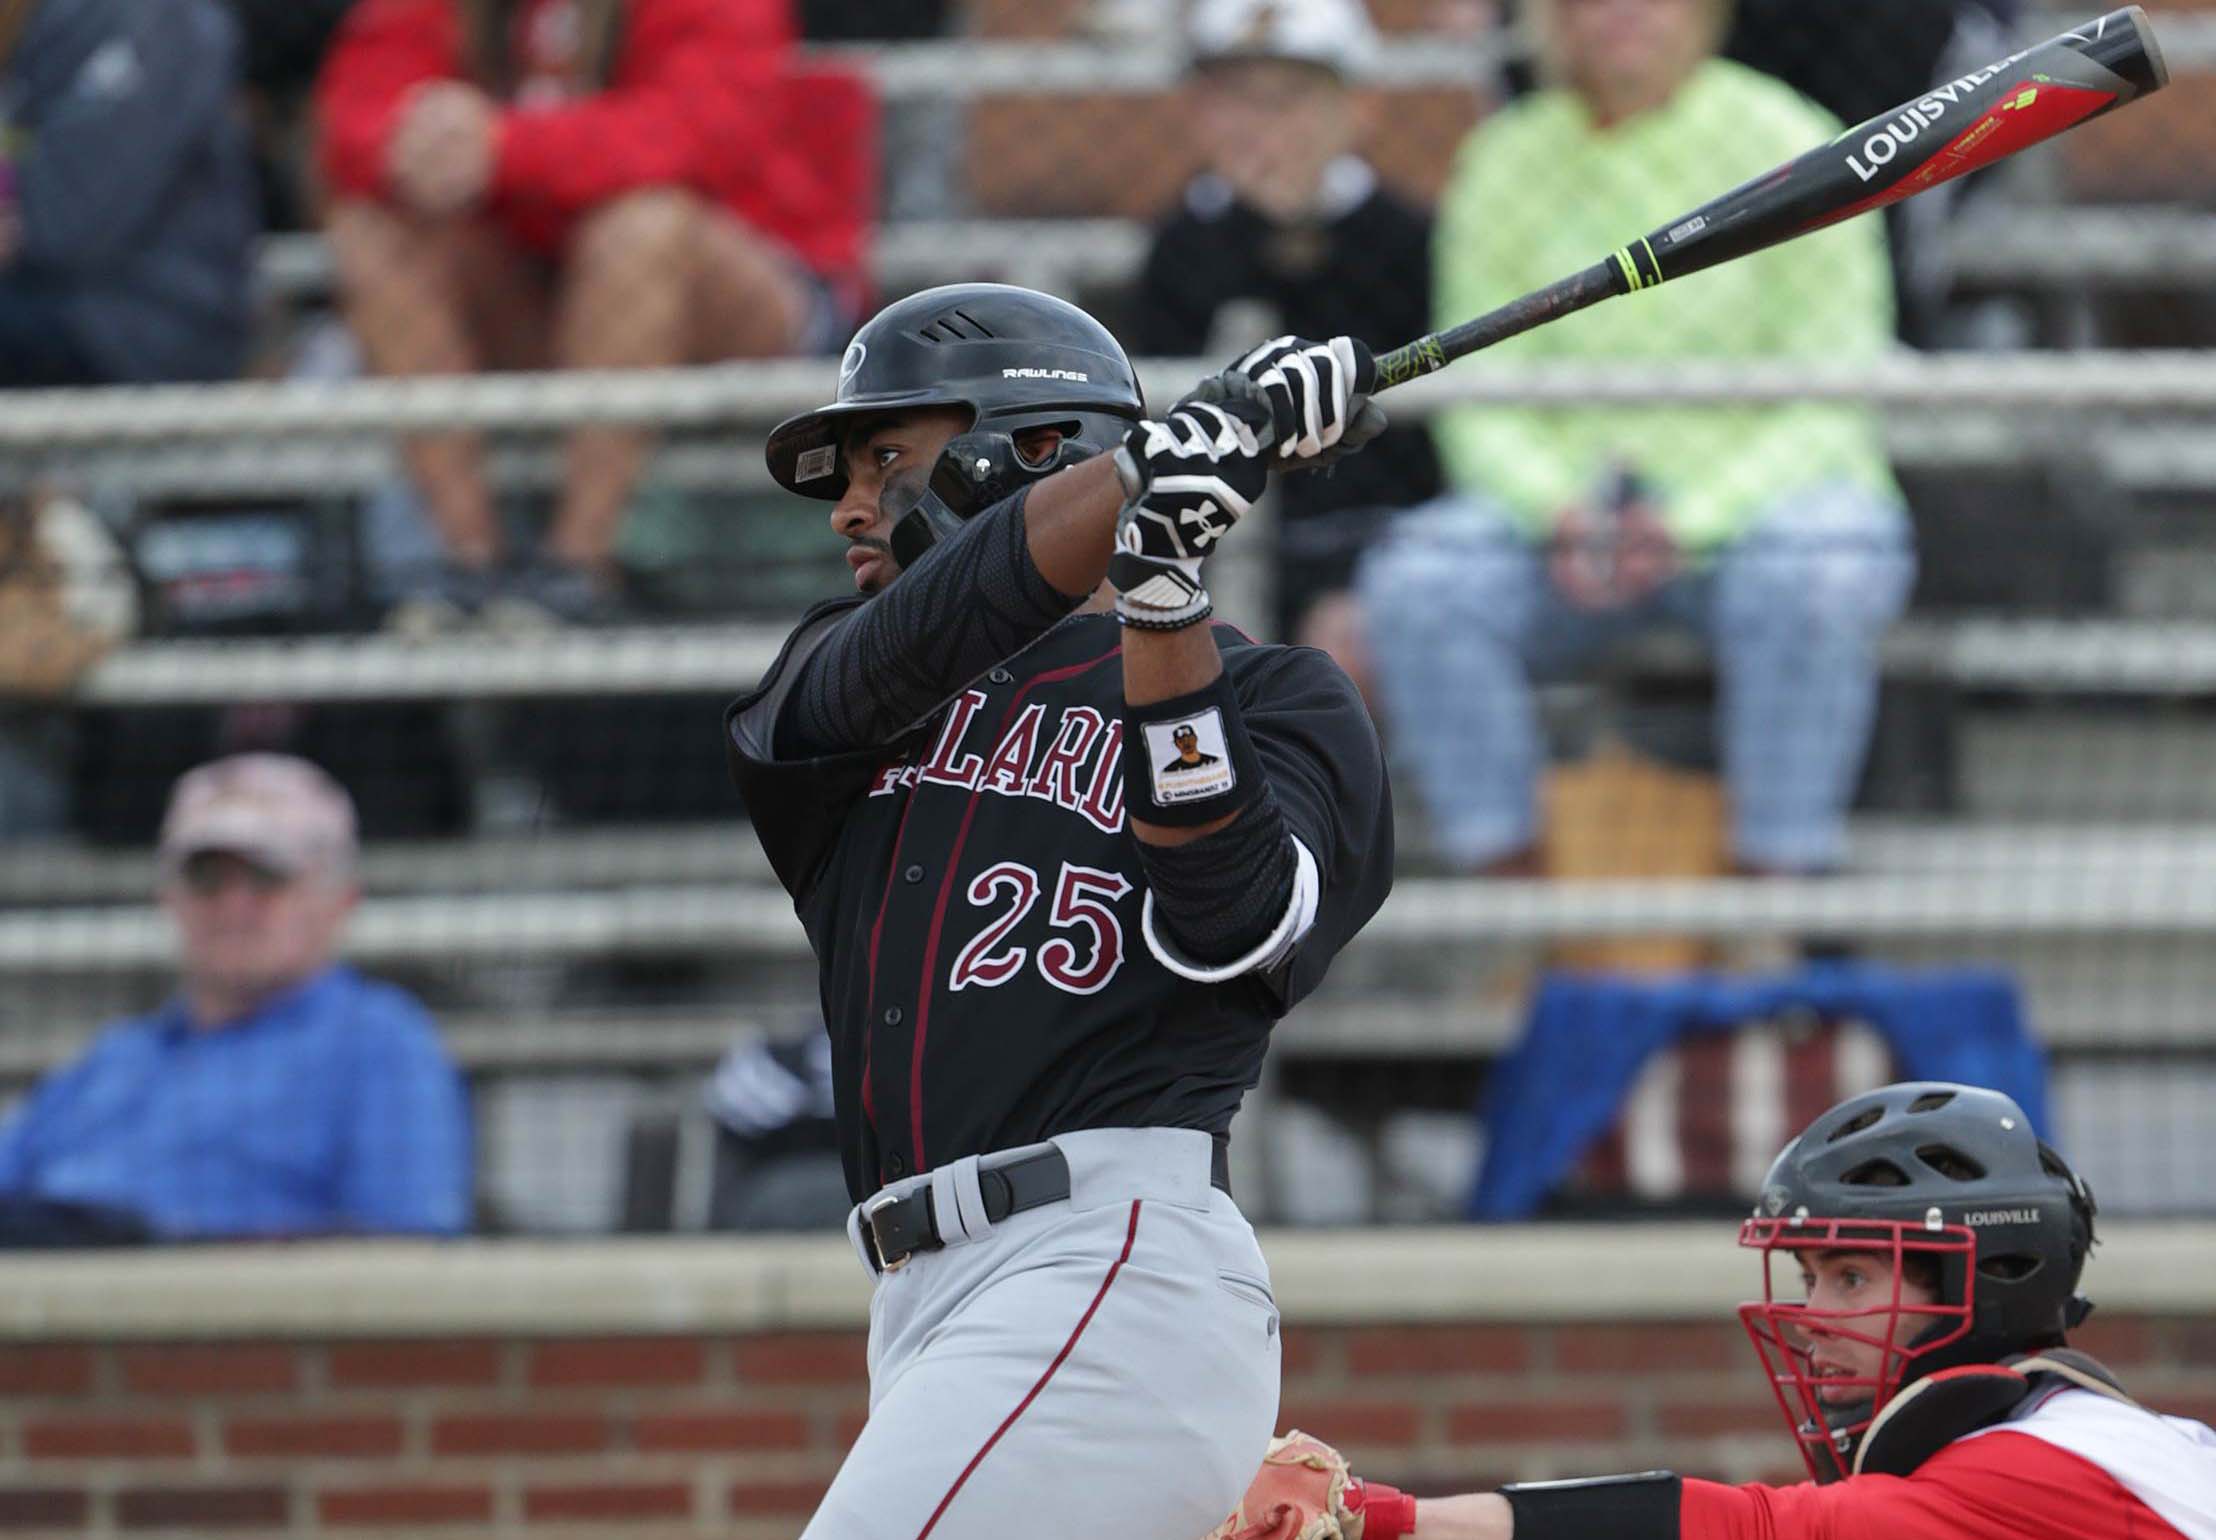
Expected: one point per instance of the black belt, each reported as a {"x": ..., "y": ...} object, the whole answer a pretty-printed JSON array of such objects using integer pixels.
[{"x": 896, "y": 1228}]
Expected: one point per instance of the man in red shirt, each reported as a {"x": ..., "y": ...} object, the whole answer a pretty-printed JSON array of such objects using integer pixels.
[
  {"x": 588, "y": 184},
  {"x": 1937, "y": 1243}
]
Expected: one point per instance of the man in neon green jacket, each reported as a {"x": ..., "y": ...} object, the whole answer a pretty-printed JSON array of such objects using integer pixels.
[{"x": 1774, "y": 532}]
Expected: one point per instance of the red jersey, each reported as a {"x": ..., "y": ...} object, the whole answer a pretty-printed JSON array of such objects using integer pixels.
[
  {"x": 697, "y": 98},
  {"x": 2076, "y": 1466}
]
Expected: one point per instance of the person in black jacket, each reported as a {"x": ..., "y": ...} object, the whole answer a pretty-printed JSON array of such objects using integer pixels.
[
  {"x": 1289, "y": 218},
  {"x": 127, "y": 211},
  {"x": 1859, "y": 58}
]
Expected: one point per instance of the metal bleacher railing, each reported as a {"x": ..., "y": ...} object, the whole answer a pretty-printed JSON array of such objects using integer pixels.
[
  {"x": 2060, "y": 901},
  {"x": 1919, "y": 889}
]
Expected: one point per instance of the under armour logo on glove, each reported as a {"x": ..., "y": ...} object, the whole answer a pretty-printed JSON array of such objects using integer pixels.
[
  {"x": 1204, "y": 465},
  {"x": 1187, "y": 479},
  {"x": 1319, "y": 397}
]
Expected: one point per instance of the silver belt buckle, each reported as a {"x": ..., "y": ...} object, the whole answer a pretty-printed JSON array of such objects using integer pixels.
[{"x": 870, "y": 1211}]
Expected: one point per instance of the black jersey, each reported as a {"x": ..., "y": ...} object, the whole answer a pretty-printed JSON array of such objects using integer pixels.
[{"x": 990, "y": 972}]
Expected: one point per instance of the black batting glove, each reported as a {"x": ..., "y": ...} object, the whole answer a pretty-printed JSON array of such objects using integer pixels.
[
  {"x": 1319, "y": 395},
  {"x": 1186, "y": 480}
]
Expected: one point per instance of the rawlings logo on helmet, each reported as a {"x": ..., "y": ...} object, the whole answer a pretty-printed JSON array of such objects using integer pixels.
[{"x": 856, "y": 351}]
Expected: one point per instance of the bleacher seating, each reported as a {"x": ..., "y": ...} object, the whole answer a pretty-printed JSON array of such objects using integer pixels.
[{"x": 2073, "y": 897}]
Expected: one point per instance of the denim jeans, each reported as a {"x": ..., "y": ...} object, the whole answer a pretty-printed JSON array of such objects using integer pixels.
[{"x": 1462, "y": 619}]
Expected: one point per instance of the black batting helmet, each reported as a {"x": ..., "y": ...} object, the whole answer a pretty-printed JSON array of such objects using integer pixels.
[
  {"x": 1015, "y": 358},
  {"x": 1953, "y": 1173}
]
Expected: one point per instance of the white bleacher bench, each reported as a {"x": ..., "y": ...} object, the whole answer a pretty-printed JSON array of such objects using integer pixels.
[
  {"x": 2135, "y": 456},
  {"x": 705, "y": 855},
  {"x": 680, "y": 1041},
  {"x": 2094, "y": 248},
  {"x": 2167, "y": 898},
  {"x": 615, "y": 661},
  {"x": 2165, "y": 658},
  {"x": 488, "y": 1043},
  {"x": 2048, "y": 247},
  {"x": 966, "y": 68},
  {"x": 59, "y": 872}
]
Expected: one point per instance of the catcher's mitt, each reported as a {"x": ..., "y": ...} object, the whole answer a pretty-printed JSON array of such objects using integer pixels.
[{"x": 1304, "y": 1491}]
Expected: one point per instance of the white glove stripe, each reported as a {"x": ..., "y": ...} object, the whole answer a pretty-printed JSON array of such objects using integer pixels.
[
  {"x": 1206, "y": 486},
  {"x": 1248, "y": 365},
  {"x": 1231, "y": 435},
  {"x": 1312, "y": 414}
]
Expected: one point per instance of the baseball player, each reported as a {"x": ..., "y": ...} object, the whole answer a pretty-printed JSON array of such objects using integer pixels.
[
  {"x": 1051, "y": 942},
  {"x": 1937, "y": 1244}
]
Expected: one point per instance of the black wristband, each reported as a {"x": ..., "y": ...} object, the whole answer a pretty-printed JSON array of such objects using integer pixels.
[
  {"x": 1189, "y": 760},
  {"x": 1641, "y": 1507}
]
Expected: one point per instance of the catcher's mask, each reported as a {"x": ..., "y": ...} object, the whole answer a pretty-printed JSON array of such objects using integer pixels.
[
  {"x": 1949, "y": 1172},
  {"x": 1013, "y": 358}
]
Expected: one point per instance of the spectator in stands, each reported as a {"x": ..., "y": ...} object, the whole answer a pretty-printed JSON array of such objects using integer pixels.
[
  {"x": 585, "y": 184},
  {"x": 868, "y": 21},
  {"x": 777, "y": 1142},
  {"x": 66, "y": 600},
  {"x": 285, "y": 44},
  {"x": 1774, "y": 533},
  {"x": 126, "y": 193},
  {"x": 1859, "y": 58},
  {"x": 1289, "y": 219},
  {"x": 278, "y": 1093}
]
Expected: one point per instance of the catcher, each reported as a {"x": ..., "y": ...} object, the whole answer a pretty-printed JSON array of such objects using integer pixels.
[{"x": 1925, "y": 1374}]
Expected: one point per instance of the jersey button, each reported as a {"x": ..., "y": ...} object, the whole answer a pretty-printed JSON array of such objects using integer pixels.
[
  {"x": 1001, "y": 676},
  {"x": 892, "y": 1017},
  {"x": 913, "y": 874}
]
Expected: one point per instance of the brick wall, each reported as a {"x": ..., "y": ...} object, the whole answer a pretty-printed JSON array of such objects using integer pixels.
[{"x": 736, "y": 1435}]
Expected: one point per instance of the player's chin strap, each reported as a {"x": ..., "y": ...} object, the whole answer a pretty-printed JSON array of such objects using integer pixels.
[{"x": 1952, "y": 1403}]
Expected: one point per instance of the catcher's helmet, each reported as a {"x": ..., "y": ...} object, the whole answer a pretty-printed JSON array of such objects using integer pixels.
[
  {"x": 1949, "y": 1172},
  {"x": 1014, "y": 357}
]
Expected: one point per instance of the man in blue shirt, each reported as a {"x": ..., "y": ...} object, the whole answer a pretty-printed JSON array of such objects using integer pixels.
[{"x": 277, "y": 1093}]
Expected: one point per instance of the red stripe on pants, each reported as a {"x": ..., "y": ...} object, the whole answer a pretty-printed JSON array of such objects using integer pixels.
[{"x": 1129, "y": 1235}]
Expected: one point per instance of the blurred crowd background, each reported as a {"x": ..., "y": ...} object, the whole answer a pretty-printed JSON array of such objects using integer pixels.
[{"x": 1830, "y": 701}]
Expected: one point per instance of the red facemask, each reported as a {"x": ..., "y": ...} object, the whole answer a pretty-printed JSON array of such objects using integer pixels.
[{"x": 1827, "y": 1433}]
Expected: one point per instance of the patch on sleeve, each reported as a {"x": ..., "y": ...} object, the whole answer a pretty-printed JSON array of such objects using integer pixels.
[
  {"x": 817, "y": 463},
  {"x": 1186, "y": 759}
]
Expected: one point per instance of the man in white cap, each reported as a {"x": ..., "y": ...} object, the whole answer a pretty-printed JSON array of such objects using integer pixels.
[
  {"x": 1287, "y": 224},
  {"x": 278, "y": 1092}
]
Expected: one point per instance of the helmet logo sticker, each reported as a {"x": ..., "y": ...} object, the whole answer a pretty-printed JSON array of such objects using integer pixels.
[
  {"x": 856, "y": 351},
  {"x": 1075, "y": 376},
  {"x": 2001, "y": 1216},
  {"x": 817, "y": 463},
  {"x": 1774, "y": 1200}
]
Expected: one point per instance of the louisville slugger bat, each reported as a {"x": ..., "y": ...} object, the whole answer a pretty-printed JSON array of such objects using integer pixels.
[{"x": 1958, "y": 127}]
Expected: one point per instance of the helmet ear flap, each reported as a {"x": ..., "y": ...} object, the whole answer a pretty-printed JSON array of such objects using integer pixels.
[
  {"x": 974, "y": 471},
  {"x": 979, "y": 468}
]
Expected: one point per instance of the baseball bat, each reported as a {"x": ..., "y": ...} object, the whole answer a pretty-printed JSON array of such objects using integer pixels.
[{"x": 1954, "y": 128}]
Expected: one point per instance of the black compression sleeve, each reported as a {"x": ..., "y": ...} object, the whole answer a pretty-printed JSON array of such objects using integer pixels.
[
  {"x": 1641, "y": 1507},
  {"x": 969, "y": 603},
  {"x": 1219, "y": 896}
]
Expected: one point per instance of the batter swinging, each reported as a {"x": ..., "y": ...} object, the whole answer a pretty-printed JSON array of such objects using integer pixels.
[{"x": 1062, "y": 869}]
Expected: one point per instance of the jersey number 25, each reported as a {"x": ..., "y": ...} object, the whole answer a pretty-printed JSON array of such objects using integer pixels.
[{"x": 1081, "y": 900}]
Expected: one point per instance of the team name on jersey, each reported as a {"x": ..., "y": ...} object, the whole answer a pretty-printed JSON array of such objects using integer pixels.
[{"x": 1074, "y": 761}]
